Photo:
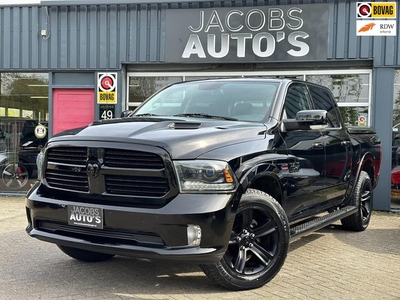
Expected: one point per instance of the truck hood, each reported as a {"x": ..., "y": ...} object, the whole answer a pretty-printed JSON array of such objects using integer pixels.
[{"x": 182, "y": 138}]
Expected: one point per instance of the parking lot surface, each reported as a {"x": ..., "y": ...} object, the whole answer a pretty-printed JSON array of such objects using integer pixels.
[{"x": 328, "y": 264}]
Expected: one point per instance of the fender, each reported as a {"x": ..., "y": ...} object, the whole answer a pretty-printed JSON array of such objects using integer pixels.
[
  {"x": 365, "y": 158},
  {"x": 268, "y": 166}
]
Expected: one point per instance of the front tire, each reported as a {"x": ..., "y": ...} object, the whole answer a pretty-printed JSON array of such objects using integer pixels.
[
  {"x": 258, "y": 245},
  {"x": 85, "y": 255},
  {"x": 362, "y": 198}
]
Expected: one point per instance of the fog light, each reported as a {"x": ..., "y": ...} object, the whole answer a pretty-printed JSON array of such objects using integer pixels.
[{"x": 194, "y": 235}]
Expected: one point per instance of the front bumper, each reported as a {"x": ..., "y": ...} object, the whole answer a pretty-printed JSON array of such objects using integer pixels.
[{"x": 140, "y": 232}]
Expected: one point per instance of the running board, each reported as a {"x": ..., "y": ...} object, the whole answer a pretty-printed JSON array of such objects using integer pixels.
[{"x": 321, "y": 222}]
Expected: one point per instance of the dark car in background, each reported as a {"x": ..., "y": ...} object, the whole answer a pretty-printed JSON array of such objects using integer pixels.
[
  {"x": 395, "y": 175},
  {"x": 20, "y": 142}
]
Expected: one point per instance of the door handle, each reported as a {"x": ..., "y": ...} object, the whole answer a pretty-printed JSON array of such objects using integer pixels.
[{"x": 345, "y": 143}]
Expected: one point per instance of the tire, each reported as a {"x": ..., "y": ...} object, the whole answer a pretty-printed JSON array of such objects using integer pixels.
[
  {"x": 362, "y": 198},
  {"x": 85, "y": 255},
  {"x": 15, "y": 176},
  {"x": 258, "y": 245}
]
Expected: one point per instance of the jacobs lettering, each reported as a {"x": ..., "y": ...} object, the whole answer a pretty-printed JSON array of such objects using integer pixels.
[{"x": 254, "y": 20}]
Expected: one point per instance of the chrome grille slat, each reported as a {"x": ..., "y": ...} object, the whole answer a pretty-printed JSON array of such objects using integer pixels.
[{"x": 65, "y": 174}]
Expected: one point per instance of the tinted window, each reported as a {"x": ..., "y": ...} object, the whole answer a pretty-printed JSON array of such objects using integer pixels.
[
  {"x": 296, "y": 100},
  {"x": 323, "y": 100},
  {"x": 244, "y": 100}
]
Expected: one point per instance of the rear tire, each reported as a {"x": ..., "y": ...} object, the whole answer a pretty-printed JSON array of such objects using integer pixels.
[
  {"x": 362, "y": 198},
  {"x": 258, "y": 245},
  {"x": 85, "y": 255}
]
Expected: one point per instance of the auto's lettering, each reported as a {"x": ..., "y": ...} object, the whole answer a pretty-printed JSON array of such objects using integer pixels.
[{"x": 85, "y": 214}]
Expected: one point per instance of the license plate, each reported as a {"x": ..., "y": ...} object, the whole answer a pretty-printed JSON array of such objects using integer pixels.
[{"x": 85, "y": 216}]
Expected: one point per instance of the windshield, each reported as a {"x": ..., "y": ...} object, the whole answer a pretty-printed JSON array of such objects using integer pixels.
[{"x": 239, "y": 100}]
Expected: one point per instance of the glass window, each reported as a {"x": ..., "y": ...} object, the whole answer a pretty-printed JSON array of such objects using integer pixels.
[
  {"x": 323, "y": 100},
  {"x": 140, "y": 88},
  {"x": 23, "y": 128},
  {"x": 296, "y": 100},
  {"x": 247, "y": 101},
  {"x": 354, "y": 116},
  {"x": 351, "y": 92},
  {"x": 347, "y": 88}
]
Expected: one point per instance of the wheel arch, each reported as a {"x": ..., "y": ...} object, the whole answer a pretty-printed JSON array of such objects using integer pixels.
[
  {"x": 266, "y": 180},
  {"x": 367, "y": 164}
]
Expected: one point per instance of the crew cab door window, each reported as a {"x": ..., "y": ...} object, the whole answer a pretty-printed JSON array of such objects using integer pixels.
[
  {"x": 296, "y": 100},
  {"x": 336, "y": 141},
  {"x": 306, "y": 155},
  {"x": 323, "y": 100}
]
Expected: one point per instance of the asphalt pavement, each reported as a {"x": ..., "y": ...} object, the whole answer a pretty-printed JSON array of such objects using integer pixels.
[{"x": 328, "y": 264}]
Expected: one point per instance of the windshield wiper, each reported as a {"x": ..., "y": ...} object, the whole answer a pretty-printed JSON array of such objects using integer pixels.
[
  {"x": 144, "y": 115},
  {"x": 200, "y": 115}
]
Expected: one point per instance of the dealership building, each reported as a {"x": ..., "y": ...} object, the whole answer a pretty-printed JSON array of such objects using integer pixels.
[{"x": 64, "y": 64}]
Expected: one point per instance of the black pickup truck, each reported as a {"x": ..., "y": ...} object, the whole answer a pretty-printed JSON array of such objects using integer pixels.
[{"x": 223, "y": 173}]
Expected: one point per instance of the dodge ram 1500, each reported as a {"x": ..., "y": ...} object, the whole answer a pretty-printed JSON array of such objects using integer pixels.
[{"x": 220, "y": 172}]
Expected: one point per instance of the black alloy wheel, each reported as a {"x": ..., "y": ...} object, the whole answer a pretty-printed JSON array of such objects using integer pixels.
[
  {"x": 258, "y": 245},
  {"x": 362, "y": 198}
]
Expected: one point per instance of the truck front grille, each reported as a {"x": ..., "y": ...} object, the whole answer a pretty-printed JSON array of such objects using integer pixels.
[
  {"x": 132, "y": 159},
  {"x": 66, "y": 168},
  {"x": 64, "y": 179},
  {"x": 68, "y": 155},
  {"x": 106, "y": 171},
  {"x": 137, "y": 186}
]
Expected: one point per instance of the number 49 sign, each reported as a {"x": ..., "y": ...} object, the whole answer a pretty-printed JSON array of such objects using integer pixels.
[{"x": 106, "y": 111}]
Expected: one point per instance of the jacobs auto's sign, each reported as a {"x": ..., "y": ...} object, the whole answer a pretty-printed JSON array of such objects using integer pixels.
[{"x": 247, "y": 34}]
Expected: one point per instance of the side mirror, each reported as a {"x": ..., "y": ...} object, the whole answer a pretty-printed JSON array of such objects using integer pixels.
[
  {"x": 126, "y": 113},
  {"x": 312, "y": 117},
  {"x": 305, "y": 119}
]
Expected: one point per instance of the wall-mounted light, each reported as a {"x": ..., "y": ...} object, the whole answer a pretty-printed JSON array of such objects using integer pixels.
[{"x": 45, "y": 33}]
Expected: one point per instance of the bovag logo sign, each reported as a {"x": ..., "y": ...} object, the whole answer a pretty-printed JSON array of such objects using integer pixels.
[{"x": 376, "y": 10}]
